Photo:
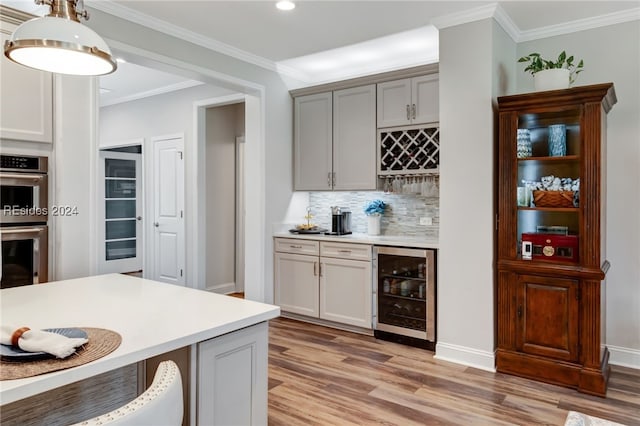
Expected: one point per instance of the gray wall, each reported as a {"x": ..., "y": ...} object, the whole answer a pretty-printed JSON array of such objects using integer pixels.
[
  {"x": 465, "y": 275},
  {"x": 612, "y": 54},
  {"x": 159, "y": 115}
]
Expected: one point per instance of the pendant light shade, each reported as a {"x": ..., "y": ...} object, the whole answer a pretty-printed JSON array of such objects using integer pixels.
[{"x": 59, "y": 43}]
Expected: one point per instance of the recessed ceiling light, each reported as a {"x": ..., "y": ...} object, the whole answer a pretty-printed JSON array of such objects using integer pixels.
[{"x": 285, "y": 5}]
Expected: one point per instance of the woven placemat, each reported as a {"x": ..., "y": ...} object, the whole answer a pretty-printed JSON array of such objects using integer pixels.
[{"x": 101, "y": 343}]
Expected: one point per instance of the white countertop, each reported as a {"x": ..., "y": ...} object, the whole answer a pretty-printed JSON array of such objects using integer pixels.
[
  {"x": 152, "y": 318},
  {"x": 380, "y": 240}
]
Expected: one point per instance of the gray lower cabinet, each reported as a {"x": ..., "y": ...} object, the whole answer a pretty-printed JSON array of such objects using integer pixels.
[
  {"x": 232, "y": 378},
  {"x": 324, "y": 280}
]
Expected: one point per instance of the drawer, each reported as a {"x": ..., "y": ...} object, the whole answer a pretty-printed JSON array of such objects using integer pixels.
[
  {"x": 345, "y": 250},
  {"x": 299, "y": 246}
]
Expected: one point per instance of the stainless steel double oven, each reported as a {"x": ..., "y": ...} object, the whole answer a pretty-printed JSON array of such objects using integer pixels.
[{"x": 24, "y": 189}]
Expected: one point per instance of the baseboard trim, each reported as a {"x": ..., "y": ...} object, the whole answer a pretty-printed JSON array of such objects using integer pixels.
[
  {"x": 482, "y": 360},
  {"x": 222, "y": 288},
  {"x": 326, "y": 323},
  {"x": 624, "y": 357}
]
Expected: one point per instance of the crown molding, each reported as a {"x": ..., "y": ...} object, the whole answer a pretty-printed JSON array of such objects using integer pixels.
[
  {"x": 492, "y": 10},
  {"x": 580, "y": 25},
  {"x": 158, "y": 91},
  {"x": 466, "y": 16},
  {"x": 136, "y": 17},
  {"x": 507, "y": 24},
  {"x": 13, "y": 16},
  {"x": 496, "y": 12}
]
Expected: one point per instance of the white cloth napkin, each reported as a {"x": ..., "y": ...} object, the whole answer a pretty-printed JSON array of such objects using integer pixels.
[{"x": 42, "y": 341}]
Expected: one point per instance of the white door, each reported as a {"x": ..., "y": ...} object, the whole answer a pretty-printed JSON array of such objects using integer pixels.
[
  {"x": 120, "y": 232},
  {"x": 168, "y": 207}
]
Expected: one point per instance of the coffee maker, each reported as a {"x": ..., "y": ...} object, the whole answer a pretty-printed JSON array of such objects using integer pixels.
[{"x": 340, "y": 221}]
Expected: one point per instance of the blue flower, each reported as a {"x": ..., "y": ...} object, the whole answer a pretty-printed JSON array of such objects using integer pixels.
[{"x": 375, "y": 207}]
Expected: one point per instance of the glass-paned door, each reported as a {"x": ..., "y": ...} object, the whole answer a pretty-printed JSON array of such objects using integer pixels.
[{"x": 121, "y": 207}]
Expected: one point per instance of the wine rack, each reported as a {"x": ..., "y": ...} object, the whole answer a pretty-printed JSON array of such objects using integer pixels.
[{"x": 408, "y": 150}]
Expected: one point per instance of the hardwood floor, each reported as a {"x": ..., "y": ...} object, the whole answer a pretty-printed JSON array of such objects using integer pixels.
[{"x": 322, "y": 376}]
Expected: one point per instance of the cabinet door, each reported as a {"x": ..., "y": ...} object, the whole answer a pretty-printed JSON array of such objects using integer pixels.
[
  {"x": 394, "y": 103},
  {"x": 26, "y": 101},
  {"x": 425, "y": 107},
  {"x": 547, "y": 312},
  {"x": 312, "y": 130},
  {"x": 346, "y": 291},
  {"x": 232, "y": 378},
  {"x": 354, "y": 138},
  {"x": 296, "y": 283}
]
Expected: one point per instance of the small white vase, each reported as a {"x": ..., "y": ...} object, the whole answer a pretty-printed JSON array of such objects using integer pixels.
[
  {"x": 373, "y": 225},
  {"x": 553, "y": 79}
]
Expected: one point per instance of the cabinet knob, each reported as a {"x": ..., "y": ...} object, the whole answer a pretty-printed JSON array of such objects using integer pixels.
[
  {"x": 408, "y": 112},
  {"x": 413, "y": 111},
  {"x": 156, "y": 224}
]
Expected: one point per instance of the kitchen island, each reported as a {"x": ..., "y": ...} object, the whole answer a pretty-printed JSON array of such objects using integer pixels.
[{"x": 153, "y": 318}]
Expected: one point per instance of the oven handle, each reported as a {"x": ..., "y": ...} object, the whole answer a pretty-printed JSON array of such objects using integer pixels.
[
  {"x": 33, "y": 230},
  {"x": 9, "y": 178}
]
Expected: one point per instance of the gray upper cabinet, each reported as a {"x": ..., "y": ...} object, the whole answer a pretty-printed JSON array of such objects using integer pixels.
[
  {"x": 354, "y": 138},
  {"x": 408, "y": 101},
  {"x": 312, "y": 136},
  {"x": 26, "y": 100},
  {"x": 335, "y": 140}
]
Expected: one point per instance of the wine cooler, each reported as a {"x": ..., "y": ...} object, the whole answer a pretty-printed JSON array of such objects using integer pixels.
[{"x": 405, "y": 296}]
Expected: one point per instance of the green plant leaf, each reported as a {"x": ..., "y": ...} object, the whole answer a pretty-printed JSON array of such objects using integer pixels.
[{"x": 561, "y": 59}]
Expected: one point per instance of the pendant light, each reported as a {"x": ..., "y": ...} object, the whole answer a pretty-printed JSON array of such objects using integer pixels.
[{"x": 59, "y": 43}]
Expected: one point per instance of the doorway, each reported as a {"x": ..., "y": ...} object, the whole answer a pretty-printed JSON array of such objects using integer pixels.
[{"x": 224, "y": 148}]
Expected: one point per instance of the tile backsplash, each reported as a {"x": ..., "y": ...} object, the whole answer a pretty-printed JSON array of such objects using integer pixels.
[{"x": 401, "y": 217}]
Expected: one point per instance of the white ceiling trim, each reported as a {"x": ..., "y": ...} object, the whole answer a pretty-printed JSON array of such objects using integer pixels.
[
  {"x": 464, "y": 17},
  {"x": 153, "y": 92},
  {"x": 134, "y": 16},
  {"x": 507, "y": 24},
  {"x": 580, "y": 25}
]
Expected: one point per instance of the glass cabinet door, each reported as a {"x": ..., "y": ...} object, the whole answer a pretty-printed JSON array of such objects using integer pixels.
[
  {"x": 548, "y": 147},
  {"x": 122, "y": 207}
]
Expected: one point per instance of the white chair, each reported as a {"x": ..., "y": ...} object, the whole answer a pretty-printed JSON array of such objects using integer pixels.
[{"x": 160, "y": 405}]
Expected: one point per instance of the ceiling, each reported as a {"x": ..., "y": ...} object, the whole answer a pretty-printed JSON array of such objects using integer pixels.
[{"x": 328, "y": 40}]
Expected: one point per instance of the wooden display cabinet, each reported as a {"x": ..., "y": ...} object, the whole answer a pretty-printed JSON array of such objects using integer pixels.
[{"x": 550, "y": 309}]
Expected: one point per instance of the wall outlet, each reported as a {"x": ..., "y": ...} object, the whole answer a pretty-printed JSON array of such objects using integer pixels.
[{"x": 426, "y": 221}]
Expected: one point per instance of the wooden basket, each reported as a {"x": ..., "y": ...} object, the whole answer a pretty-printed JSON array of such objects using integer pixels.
[{"x": 553, "y": 198}]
